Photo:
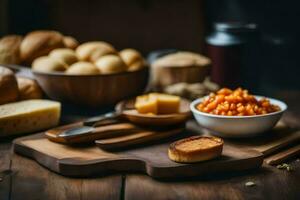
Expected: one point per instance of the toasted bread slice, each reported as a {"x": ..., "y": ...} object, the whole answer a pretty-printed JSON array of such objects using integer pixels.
[{"x": 195, "y": 149}]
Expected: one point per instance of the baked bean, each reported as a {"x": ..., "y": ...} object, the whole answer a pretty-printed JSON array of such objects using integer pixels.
[{"x": 235, "y": 103}]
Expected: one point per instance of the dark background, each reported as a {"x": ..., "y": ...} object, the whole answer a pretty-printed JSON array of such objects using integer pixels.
[{"x": 149, "y": 25}]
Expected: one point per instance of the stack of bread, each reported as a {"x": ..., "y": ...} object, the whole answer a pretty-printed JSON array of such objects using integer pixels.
[
  {"x": 16, "y": 49},
  {"x": 90, "y": 58},
  {"x": 51, "y": 51}
]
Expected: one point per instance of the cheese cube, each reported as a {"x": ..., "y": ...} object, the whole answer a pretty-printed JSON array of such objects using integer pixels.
[
  {"x": 166, "y": 104},
  {"x": 146, "y": 105},
  {"x": 157, "y": 103},
  {"x": 28, "y": 116}
]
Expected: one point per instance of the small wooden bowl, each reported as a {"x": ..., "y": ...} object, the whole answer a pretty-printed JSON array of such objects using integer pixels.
[
  {"x": 93, "y": 90},
  {"x": 163, "y": 76}
]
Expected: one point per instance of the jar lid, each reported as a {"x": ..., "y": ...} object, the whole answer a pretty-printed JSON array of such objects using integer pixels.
[
  {"x": 230, "y": 33},
  {"x": 234, "y": 26}
]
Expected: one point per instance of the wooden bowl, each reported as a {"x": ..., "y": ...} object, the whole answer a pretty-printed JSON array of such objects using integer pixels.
[
  {"x": 163, "y": 76},
  {"x": 93, "y": 90}
]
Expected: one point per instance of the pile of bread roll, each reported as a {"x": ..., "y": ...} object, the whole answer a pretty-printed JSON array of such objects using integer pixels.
[
  {"x": 89, "y": 58},
  {"x": 16, "y": 49},
  {"x": 13, "y": 88},
  {"x": 51, "y": 51}
]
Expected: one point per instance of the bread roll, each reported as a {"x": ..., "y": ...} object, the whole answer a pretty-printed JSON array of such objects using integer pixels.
[
  {"x": 182, "y": 59},
  {"x": 39, "y": 43},
  {"x": 8, "y": 86},
  {"x": 195, "y": 149},
  {"x": 47, "y": 64},
  {"x": 10, "y": 49},
  {"x": 110, "y": 64},
  {"x": 83, "y": 68},
  {"x": 91, "y": 51},
  {"x": 133, "y": 59},
  {"x": 70, "y": 42},
  {"x": 99, "y": 52},
  {"x": 139, "y": 64},
  {"x": 65, "y": 55},
  {"x": 28, "y": 89}
]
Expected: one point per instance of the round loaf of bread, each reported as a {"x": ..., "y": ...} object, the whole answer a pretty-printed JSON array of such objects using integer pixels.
[
  {"x": 91, "y": 51},
  {"x": 70, "y": 42},
  {"x": 10, "y": 49},
  {"x": 39, "y": 43},
  {"x": 195, "y": 149},
  {"x": 182, "y": 59},
  {"x": 8, "y": 86},
  {"x": 83, "y": 68},
  {"x": 133, "y": 59},
  {"x": 28, "y": 89},
  {"x": 67, "y": 56},
  {"x": 110, "y": 64},
  {"x": 47, "y": 64}
]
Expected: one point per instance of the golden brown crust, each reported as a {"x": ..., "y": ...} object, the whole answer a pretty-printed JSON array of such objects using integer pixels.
[
  {"x": 28, "y": 89},
  {"x": 91, "y": 51},
  {"x": 83, "y": 68},
  {"x": 10, "y": 49},
  {"x": 110, "y": 64},
  {"x": 133, "y": 59},
  {"x": 195, "y": 149},
  {"x": 39, "y": 43},
  {"x": 67, "y": 56},
  {"x": 47, "y": 64},
  {"x": 8, "y": 86},
  {"x": 70, "y": 42}
]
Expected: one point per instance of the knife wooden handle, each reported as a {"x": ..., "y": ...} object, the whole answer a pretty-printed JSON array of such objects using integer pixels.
[
  {"x": 111, "y": 130},
  {"x": 283, "y": 155}
]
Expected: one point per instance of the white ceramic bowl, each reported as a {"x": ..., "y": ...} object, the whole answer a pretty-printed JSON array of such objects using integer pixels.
[{"x": 238, "y": 126}]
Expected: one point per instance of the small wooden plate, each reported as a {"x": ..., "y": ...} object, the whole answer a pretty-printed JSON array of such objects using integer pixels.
[{"x": 127, "y": 109}]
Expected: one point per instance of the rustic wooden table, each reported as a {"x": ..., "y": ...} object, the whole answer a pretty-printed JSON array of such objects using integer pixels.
[{"x": 22, "y": 178}]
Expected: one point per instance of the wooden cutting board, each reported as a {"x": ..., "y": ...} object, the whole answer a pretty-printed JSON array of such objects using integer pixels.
[
  {"x": 151, "y": 159},
  {"x": 280, "y": 137}
]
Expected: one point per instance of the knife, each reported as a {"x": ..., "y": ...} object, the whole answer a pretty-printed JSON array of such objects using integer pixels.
[{"x": 89, "y": 125}]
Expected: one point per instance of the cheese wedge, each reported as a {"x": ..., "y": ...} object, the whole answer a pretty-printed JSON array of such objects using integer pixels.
[
  {"x": 157, "y": 103},
  {"x": 28, "y": 116}
]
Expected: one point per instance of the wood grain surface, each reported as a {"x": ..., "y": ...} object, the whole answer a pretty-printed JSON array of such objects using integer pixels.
[
  {"x": 31, "y": 181},
  {"x": 270, "y": 182},
  {"x": 151, "y": 158},
  {"x": 5, "y": 171}
]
